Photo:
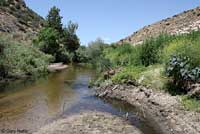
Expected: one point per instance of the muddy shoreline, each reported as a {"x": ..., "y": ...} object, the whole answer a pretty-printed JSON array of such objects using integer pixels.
[{"x": 165, "y": 110}]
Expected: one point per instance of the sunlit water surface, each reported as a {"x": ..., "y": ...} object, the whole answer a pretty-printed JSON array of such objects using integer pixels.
[{"x": 30, "y": 105}]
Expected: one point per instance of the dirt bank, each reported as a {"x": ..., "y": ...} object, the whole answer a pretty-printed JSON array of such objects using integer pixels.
[
  {"x": 90, "y": 123},
  {"x": 163, "y": 108}
]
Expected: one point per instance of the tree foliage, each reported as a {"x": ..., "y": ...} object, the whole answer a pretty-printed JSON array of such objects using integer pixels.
[
  {"x": 54, "y": 20},
  {"x": 18, "y": 59},
  {"x": 70, "y": 39},
  {"x": 57, "y": 40},
  {"x": 48, "y": 41}
]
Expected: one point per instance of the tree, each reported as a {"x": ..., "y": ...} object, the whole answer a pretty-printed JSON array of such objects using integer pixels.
[
  {"x": 48, "y": 41},
  {"x": 95, "y": 48},
  {"x": 70, "y": 39},
  {"x": 58, "y": 41},
  {"x": 82, "y": 54},
  {"x": 54, "y": 20}
]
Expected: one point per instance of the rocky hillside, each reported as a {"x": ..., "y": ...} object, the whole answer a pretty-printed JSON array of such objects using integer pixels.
[
  {"x": 182, "y": 23},
  {"x": 18, "y": 20}
]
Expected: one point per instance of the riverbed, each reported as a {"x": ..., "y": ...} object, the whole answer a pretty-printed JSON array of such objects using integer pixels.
[{"x": 30, "y": 105}]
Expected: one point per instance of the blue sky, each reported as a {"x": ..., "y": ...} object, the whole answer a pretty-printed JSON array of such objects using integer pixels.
[{"x": 111, "y": 20}]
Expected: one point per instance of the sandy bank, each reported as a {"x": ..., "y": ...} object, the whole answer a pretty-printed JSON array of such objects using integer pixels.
[
  {"x": 90, "y": 123},
  {"x": 56, "y": 67}
]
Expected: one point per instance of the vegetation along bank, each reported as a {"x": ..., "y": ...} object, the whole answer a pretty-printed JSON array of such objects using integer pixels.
[
  {"x": 52, "y": 43},
  {"x": 161, "y": 76}
]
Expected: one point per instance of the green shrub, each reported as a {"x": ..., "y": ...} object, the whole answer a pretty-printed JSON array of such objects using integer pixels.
[
  {"x": 95, "y": 54},
  {"x": 48, "y": 41},
  {"x": 181, "y": 71},
  {"x": 185, "y": 45},
  {"x": 20, "y": 59},
  {"x": 56, "y": 40},
  {"x": 151, "y": 49},
  {"x": 182, "y": 59},
  {"x": 191, "y": 103},
  {"x": 153, "y": 77},
  {"x": 82, "y": 55},
  {"x": 103, "y": 64},
  {"x": 123, "y": 55},
  {"x": 128, "y": 73}
]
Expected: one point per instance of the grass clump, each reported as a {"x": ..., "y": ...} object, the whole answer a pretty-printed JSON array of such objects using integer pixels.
[
  {"x": 128, "y": 73},
  {"x": 191, "y": 104},
  {"x": 153, "y": 77}
]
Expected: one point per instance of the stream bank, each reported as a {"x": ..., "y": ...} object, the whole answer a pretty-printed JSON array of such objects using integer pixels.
[
  {"x": 164, "y": 109},
  {"x": 89, "y": 122}
]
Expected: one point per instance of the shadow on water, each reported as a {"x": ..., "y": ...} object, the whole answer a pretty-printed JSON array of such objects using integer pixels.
[{"x": 30, "y": 105}]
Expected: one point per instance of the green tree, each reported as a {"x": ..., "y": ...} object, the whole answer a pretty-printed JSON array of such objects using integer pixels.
[
  {"x": 70, "y": 39},
  {"x": 48, "y": 41},
  {"x": 82, "y": 54},
  {"x": 58, "y": 41},
  {"x": 54, "y": 20}
]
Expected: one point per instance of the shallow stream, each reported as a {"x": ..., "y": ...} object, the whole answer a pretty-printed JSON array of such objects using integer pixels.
[{"x": 29, "y": 105}]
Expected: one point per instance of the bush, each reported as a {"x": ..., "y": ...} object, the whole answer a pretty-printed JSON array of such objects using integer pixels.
[
  {"x": 180, "y": 70},
  {"x": 123, "y": 55},
  {"x": 128, "y": 73},
  {"x": 103, "y": 64},
  {"x": 82, "y": 55},
  {"x": 185, "y": 45},
  {"x": 48, "y": 41},
  {"x": 182, "y": 59},
  {"x": 20, "y": 59},
  {"x": 56, "y": 40},
  {"x": 151, "y": 48},
  {"x": 63, "y": 56}
]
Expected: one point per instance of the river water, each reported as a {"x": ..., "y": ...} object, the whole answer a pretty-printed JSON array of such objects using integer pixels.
[{"x": 30, "y": 105}]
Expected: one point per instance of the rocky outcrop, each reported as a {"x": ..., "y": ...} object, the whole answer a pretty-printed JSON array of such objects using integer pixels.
[
  {"x": 165, "y": 110},
  {"x": 18, "y": 20},
  {"x": 178, "y": 24},
  {"x": 90, "y": 123}
]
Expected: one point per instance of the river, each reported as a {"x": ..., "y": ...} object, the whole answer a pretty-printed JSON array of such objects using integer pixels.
[{"x": 29, "y": 105}]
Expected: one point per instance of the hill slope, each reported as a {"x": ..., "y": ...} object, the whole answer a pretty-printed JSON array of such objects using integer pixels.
[
  {"x": 17, "y": 19},
  {"x": 182, "y": 23}
]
